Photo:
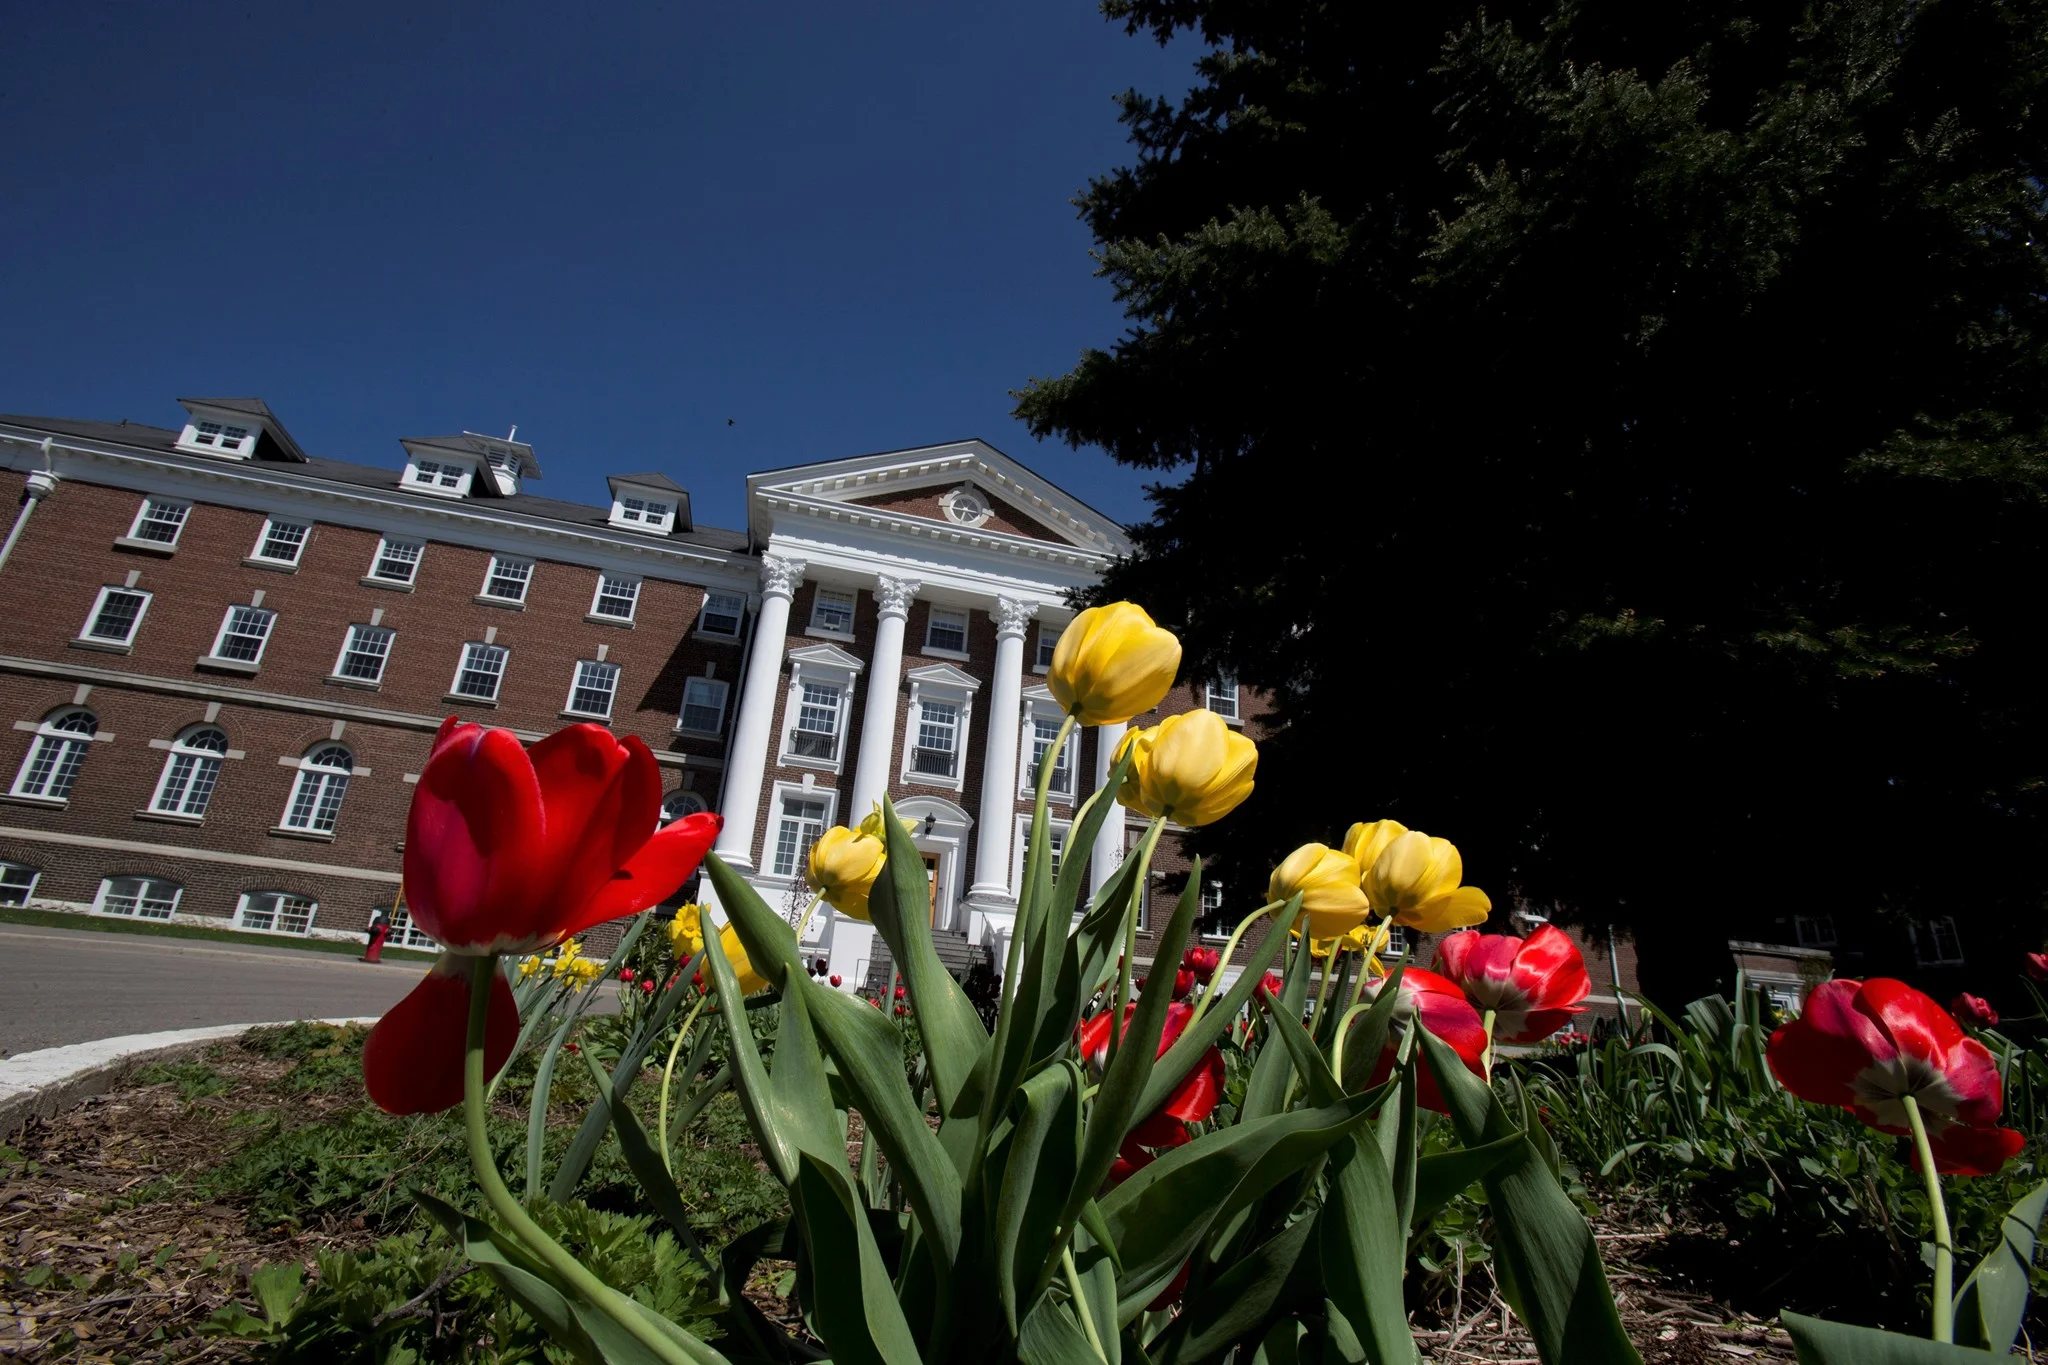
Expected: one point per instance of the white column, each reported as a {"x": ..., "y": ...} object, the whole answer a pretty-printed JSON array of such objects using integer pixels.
[
  {"x": 998, "y": 816},
  {"x": 885, "y": 682},
  {"x": 746, "y": 761},
  {"x": 1109, "y": 840}
]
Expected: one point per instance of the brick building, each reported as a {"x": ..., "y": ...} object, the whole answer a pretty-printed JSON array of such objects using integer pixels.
[{"x": 225, "y": 658}]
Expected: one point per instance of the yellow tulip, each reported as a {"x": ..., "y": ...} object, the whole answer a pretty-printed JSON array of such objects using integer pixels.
[
  {"x": 1328, "y": 882},
  {"x": 736, "y": 956},
  {"x": 1112, "y": 663},
  {"x": 1365, "y": 842},
  {"x": 1191, "y": 768},
  {"x": 686, "y": 931},
  {"x": 1415, "y": 881},
  {"x": 872, "y": 826},
  {"x": 844, "y": 866}
]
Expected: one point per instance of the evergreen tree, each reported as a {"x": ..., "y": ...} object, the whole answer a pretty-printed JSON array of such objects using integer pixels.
[{"x": 1615, "y": 435}]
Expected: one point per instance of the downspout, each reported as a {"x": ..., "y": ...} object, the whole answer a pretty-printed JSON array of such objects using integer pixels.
[
  {"x": 40, "y": 483},
  {"x": 1614, "y": 971}
]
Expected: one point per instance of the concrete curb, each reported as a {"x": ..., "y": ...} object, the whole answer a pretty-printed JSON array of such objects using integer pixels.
[{"x": 50, "y": 1080}]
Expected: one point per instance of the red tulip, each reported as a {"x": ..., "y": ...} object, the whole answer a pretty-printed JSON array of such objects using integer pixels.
[
  {"x": 1270, "y": 985},
  {"x": 875, "y": 1001},
  {"x": 1193, "y": 1100},
  {"x": 835, "y": 979},
  {"x": 1183, "y": 983},
  {"x": 899, "y": 992},
  {"x": 1973, "y": 1009},
  {"x": 1866, "y": 1045},
  {"x": 626, "y": 975},
  {"x": 511, "y": 851},
  {"x": 900, "y": 1011},
  {"x": 1445, "y": 1012},
  {"x": 647, "y": 987},
  {"x": 571, "y": 1047},
  {"x": 1203, "y": 962},
  {"x": 2037, "y": 966},
  {"x": 1533, "y": 986}
]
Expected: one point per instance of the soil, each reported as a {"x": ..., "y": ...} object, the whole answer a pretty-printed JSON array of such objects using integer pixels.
[{"x": 134, "y": 1280}]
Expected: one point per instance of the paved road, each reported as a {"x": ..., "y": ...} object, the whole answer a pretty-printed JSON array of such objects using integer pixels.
[{"x": 60, "y": 986}]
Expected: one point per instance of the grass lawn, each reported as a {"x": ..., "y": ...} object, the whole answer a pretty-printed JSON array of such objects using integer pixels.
[{"x": 110, "y": 924}]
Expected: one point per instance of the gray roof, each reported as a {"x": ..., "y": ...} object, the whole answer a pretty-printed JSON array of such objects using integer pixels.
[
  {"x": 273, "y": 429},
  {"x": 662, "y": 481},
  {"x": 165, "y": 440}
]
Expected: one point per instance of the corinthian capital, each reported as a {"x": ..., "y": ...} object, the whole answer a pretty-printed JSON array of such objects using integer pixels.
[
  {"x": 1012, "y": 616},
  {"x": 780, "y": 576},
  {"x": 896, "y": 594}
]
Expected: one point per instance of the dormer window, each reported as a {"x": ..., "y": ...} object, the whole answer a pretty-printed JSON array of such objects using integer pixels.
[
  {"x": 227, "y": 439},
  {"x": 648, "y": 502},
  {"x": 441, "y": 476},
  {"x": 643, "y": 514}
]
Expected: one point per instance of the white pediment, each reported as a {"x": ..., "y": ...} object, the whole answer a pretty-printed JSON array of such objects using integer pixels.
[
  {"x": 943, "y": 675},
  {"x": 827, "y": 656}
]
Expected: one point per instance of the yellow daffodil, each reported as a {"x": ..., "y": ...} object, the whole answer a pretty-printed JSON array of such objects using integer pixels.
[
  {"x": 1112, "y": 663},
  {"x": 686, "y": 931},
  {"x": 1328, "y": 882},
  {"x": 1415, "y": 881},
  {"x": 1366, "y": 841},
  {"x": 528, "y": 966},
  {"x": 844, "y": 865},
  {"x": 1192, "y": 768}
]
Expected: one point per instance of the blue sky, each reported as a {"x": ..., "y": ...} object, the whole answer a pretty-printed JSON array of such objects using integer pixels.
[{"x": 618, "y": 227}]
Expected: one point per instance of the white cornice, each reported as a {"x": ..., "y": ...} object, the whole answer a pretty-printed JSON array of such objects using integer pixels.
[{"x": 928, "y": 532}]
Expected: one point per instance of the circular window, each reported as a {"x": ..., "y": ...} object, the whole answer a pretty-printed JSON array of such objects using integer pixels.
[{"x": 966, "y": 506}]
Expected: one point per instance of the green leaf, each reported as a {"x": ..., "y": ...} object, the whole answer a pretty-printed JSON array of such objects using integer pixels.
[
  {"x": 1993, "y": 1300},
  {"x": 853, "y": 1302},
  {"x": 1443, "y": 1177},
  {"x": 1368, "y": 1038},
  {"x": 1364, "y": 1250},
  {"x": 1266, "y": 1092},
  {"x": 537, "y": 1108},
  {"x": 1042, "y": 1153},
  {"x": 647, "y": 1168},
  {"x": 1083, "y": 958},
  {"x": 1546, "y": 1251},
  {"x": 900, "y": 907},
  {"x": 1239, "y": 1303},
  {"x": 525, "y": 1280},
  {"x": 768, "y": 938},
  {"x": 1161, "y": 1213},
  {"x": 276, "y": 1287},
  {"x": 1818, "y": 1342},
  {"x": 1052, "y": 1336},
  {"x": 773, "y": 1129},
  {"x": 1170, "y": 1070}
]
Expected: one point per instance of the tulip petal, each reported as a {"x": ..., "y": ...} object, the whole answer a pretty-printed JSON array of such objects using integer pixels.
[
  {"x": 602, "y": 800},
  {"x": 413, "y": 1058},
  {"x": 1961, "y": 1149},
  {"x": 1550, "y": 969},
  {"x": 653, "y": 874},
  {"x": 1533, "y": 1026},
  {"x": 1819, "y": 1055},
  {"x": 473, "y": 838}
]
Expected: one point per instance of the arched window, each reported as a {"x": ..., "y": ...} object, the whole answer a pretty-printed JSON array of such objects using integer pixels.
[
  {"x": 191, "y": 772},
  {"x": 57, "y": 754},
  {"x": 677, "y": 804},
  {"x": 316, "y": 796}
]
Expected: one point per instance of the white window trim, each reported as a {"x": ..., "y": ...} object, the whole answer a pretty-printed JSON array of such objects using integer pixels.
[
  {"x": 35, "y": 876},
  {"x": 243, "y": 449},
  {"x": 409, "y": 480},
  {"x": 99, "y": 898},
  {"x": 1045, "y": 630},
  {"x": 135, "y": 537},
  {"x": 46, "y": 728},
  {"x": 348, "y": 636},
  {"x": 1022, "y": 845},
  {"x": 942, "y": 684},
  {"x": 1924, "y": 955},
  {"x": 695, "y": 802},
  {"x": 220, "y": 637},
  {"x": 724, "y": 699},
  {"x": 179, "y": 748},
  {"x": 576, "y": 676},
  {"x": 660, "y": 525},
  {"x": 853, "y": 613},
  {"x": 85, "y": 637},
  {"x": 822, "y": 664},
  {"x": 462, "y": 662},
  {"x": 263, "y": 539},
  {"x": 383, "y": 544},
  {"x": 1235, "y": 715},
  {"x": 739, "y": 618},
  {"x": 966, "y": 631},
  {"x": 304, "y": 767},
  {"x": 597, "y": 596},
  {"x": 242, "y": 907},
  {"x": 772, "y": 826},
  {"x": 1039, "y": 705},
  {"x": 484, "y": 594}
]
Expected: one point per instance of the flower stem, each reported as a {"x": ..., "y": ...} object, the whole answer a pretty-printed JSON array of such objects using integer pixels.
[
  {"x": 1081, "y": 1304},
  {"x": 1123, "y": 975},
  {"x": 668, "y": 1075},
  {"x": 1337, "y": 1048},
  {"x": 1215, "y": 986},
  {"x": 1323, "y": 996},
  {"x": 805, "y": 922},
  {"x": 485, "y": 1167},
  {"x": 1014, "y": 959},
  {"x": 1944, "y": 1249},
  {"x": 1486, "y": 1057}
]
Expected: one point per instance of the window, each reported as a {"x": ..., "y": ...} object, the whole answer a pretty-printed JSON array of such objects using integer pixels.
[
  {"x": 832, "y": 612},
  {"x": 1223, "y": 696},
  {"x": 594, "y": 686},
  {"x": 803, "y": 820},
  {"x": 1398, "y": 942},
  {"x": 275, "y": 912},
  {"x": 51, "y": 768},
  {"x": 938, "y": 739},
  {"x": 1784, "y": 999},
  {"x": 1936, "y": 942},
  {"x": 722, "y": 614},
  {"x": 616, "y": 597},
  {"x": 316, "y": 796},
  {"x": 243, "y": 633},
  {"x": 116, "y": 616},
  {"x": 282, "y": 541},
  {"x": 483, "y": 668},
  {"x": 643, "y": 511},
  {"x": 434, "y": 474},
  {"x": 364, "y": 653},
  {"x": 678, "y": 804},
  {"x": 159, "y": 522},
  {"x": 703, "y": 705},
  {"x": 507, "y": 579},
  {"x": 18, "y": 883},
  {"x": 218, "y": 436},
  {"x": 1048, "y": 641},
  {"x": 946, "y": 631},
  {"x": 397, "y": 561},
  {"x": 1056, "y": 844},
  {"x": 139, "y": 897},
  {"x": 190, "y": 773},
  {"x": 817, "y": 722},
  {"x": 404, "y": 935},
  {"x": 1041, "y": 731},
  {"x": 1814, "y": 931}
]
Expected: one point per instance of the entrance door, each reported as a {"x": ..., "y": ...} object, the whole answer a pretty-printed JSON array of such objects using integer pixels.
[{"x": 931, "y": 875}]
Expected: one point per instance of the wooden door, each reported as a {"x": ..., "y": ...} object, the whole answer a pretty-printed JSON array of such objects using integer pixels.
[{"x": 931, "y": 875}]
